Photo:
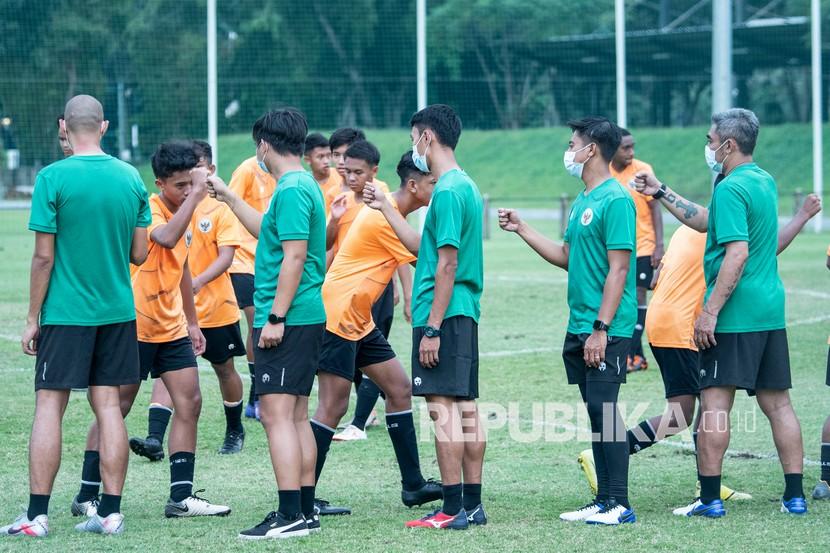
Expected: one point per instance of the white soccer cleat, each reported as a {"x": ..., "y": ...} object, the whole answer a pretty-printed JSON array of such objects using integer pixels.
[
  {"x": 22, "y": 526},
  {"x": 373, "y": 419},
  {"x": 350, "y": 434},
  {"x": 84, "y": 508},
  {"x": 581, "y": 514},
  {"x": 612, "y": 516},
  {"x": 194, "y": 506},
  {"x": 112, "y": 524}
]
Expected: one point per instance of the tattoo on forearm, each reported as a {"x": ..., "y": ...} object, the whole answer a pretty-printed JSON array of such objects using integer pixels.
[
  {"x": 670, "y": 197},
  {"x": 689, "y": 208}
]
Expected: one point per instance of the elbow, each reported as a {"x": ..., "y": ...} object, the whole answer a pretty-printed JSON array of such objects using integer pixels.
[
  {"x": 138, "y": 258},
  {"x": 42, "y": 263}
]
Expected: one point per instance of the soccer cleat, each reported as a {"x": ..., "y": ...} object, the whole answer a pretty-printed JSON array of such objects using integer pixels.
[
  {"x": 233, "y": 443},
  {"x": 313, "y": 523},
  {"x": 194, "y": 506},
  {"x": 586, "y": 463},
  {"x": 477, "y": 516},
  {"x": 112, "y": 524},
  {"x": 699, "y": 509},
  {"x": 22, "y": 526},
  {"x": 582, "y": 513},
  {"x": 148, "y": 447},
  {"x": 84, "y": 508},
  {"x": 275, "y": 526},
  {"x": 821, "y": 491},
  {"x": 373, "y": 419},
  {"x": 726, "y": 493},
  {"x": 440, "y": 521},
  {"x": 251, "y": 410},
  {"x": 637, "y": 363},
  {"x": 350, "y": 434},
  {"x": 612, "y": 514},
  {"x": 324, "y": 508},
  {"x": 429, "y": 492},
  {"x": 794, "y": 506}
]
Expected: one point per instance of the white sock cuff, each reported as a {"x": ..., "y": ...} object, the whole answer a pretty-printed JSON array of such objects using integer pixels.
[
  {"x": 232, "y": 403},
  {"x": 321, "y": 425},
  {"x": 160, "y": 406},
  {"x": 407, "y": 412},
  {"x": 181, "y": 483}
]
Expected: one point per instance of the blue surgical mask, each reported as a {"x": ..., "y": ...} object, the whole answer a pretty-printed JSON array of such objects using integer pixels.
[
  {"x": 712, "y": 160},
  {"x": 419, "y": 160},
  {"x": 573, "y": 168},
  {"x": 261, "y": 163}
]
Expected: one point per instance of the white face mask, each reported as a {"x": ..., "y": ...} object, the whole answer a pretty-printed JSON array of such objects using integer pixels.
[
  {"x": 420, "y": 160},
  {"x": 712, "y": 160},
  {"x": 573, "y": 168},
  {"x": 261, "y": 163}
]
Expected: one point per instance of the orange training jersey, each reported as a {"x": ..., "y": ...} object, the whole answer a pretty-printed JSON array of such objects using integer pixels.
[
  {"x": 678, "y": 296},
  {"x": 363, "y": 267},
  {"x": 352, "y": 209},
  {"x": 256, "y": 187},
  {"x": 158, "y": 299},
  {"x": 214, "y": 226},
  {"x": 331, "y": 186},
  {"x": 645, "y": 225}
]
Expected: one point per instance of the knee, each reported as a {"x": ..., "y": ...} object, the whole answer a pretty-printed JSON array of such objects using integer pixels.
[
  {"x": 192, "y": 407},
  {"x": 332, "y": 408}
]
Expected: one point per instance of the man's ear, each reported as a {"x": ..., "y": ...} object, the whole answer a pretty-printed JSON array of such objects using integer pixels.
[
  {"x": 374, "y": 172},
  {"x": 104, "y": 126}
]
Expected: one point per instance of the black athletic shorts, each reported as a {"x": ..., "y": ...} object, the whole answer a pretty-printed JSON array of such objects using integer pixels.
[
  {"x": 645, "y": 272},
  {"x": 81, "y": 356},
  {"x": 679, "y": 369},
  {"x": 827, "y": 381},
  {"x": 223, "y": 342},
  {"x": 383, "y": 312},
  {"x": 243, "y": 289},
  {"x": 158, "y": 358},
  {"x": 613, "y": 369},
  {"x": 747, "y": 360},
  {"x": 290, "y": 367},
  {"x": 456, "y": 374},
  {"x": 341, "y": 356}
]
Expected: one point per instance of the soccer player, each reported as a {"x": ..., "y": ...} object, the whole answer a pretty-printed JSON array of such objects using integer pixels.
[
  {"x": 318, "y": 158},
  {"x": 367, "y": 260},
  {"x": 81, "y": 320},
  {"x": 215, "y": 239},
  {"x": 290, "y": 317},
  {"x": 168, "y": 328},
  {"x": 743, "y": 341},
  {"x": 65, "y": 145},
  {"x": 251, "y": 182},
  {"x": 677, "y": 301},
  {"x": 598, "y": 254},
  {"x": 449, "y": 280},
  {"x": 822, "y": 489},
  {"x": 649, "y": 239}
]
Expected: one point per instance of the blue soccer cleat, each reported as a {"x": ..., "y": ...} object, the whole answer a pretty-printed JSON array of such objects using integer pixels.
[{"x": 794, "y": 506}]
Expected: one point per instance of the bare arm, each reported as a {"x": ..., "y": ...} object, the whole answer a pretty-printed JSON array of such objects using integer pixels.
[
  {"x": 728, "y": 277},
  {"x": 618, "y": 262},
  {"x": 138, "y": 248},
  {"x": 375, "y": 198},
  {"x": 216, "y": 269},
  {"x": 444, "y": 281},
  {"x": 188, "y": 305},
  {"x": 250, "y": 218},
  {"x": 405, "y": 276},
  {"x": 550, "y": 251},
  {"x": 657, "y": 222},
  {"x": 687, "y": 212},
  {"x": 169, "y": 234},
  {"x": 43, "y": 260},
  {"x": 810, "y": 207},
  {"x": 337, "y": 210},
  {"x": 295, "y": 253}
]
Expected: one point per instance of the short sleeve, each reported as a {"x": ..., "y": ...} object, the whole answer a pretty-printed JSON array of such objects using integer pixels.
[
  {"x": 391, "y": 243},
  {"x": 619, "y": 224},
  {"x": 44, "y": 215},
  {"x": 828, "y": 251},
  {"x": 567, "y": 236},
  {"x": 227, "y": 229},
  {"x": 144, "y": 216},
  {"x": 449, "y": 217},
  {"x": 293, "y": 214},
  {"x": 730, "y": 215},
  {"x": 241, "y": 181},
  {"x": 157, "y": 218}
]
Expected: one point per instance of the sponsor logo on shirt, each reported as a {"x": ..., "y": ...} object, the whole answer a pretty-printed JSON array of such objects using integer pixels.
[
  {"x": 188, "y": 237},
  {"x": 205, "y": 225},
  {"x": 587, "y": 217}
]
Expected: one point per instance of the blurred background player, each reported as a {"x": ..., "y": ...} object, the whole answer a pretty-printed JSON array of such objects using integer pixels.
[
  {"x": 251, "y": 182},
  {"x": 215, "y": 239},
  {"x": 649, "y": 239},
  {"x": 65, "y": 145},
  {"x": 318, "y": 158},
  {"x": 822, "y": 488}
]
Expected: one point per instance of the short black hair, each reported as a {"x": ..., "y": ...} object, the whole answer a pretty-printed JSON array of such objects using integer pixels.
[
  {"x": 601, "y": 131},
  {"x": 440, "y": 119},
  {"x": 624, "y": 132},
  {"x": 283, "y": 129},
  {"x": 315, "y": 140},
  {"x": 173, "y": 156},
  {"x": 406, "y": 168},
  {"x": 347, "y": 136},
  {"x": 364, "y": 150},
  {"x": 203, "y": 150}
]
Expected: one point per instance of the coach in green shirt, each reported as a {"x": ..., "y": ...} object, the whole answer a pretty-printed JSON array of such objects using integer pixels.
[
  {"x": 741, "y": 330},
  {"x": 599, "y": 255}
]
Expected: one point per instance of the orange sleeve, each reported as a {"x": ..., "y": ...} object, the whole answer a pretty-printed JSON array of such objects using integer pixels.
[
  {"x": 242, "y": 181},
  {"x": 227, "y": 228},
  {"x": 391, "y": 242},
  {"x": 158, "y": 218}
]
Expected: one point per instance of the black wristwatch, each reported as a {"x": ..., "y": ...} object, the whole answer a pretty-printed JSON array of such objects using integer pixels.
[
  {"x": 275, "y": 319},
  {"x": 660, "y": 193},
  {"x": 600, "y": 326},
  {"x": 432, "y": 332}
]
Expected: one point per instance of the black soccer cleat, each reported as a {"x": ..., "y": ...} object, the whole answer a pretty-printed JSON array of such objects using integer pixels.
[
  {"x": 275, "y": 526},
  {"x": 324, "y": 508},
  {"x": 233, "y": 443},
  {"x": 150, "y": 448},
  {"x": 429, "y": 492}
]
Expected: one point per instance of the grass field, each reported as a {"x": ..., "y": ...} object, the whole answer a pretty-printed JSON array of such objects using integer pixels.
[
  {"x": 527, "y": 164},
  {"x": 528, "y": 480}
]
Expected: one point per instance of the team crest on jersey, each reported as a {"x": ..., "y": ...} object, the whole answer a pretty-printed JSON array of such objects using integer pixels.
[
  {"x": 188, "y": 237},
  {"x": 587, "y": 217},
  {"x": 205, "y": 225}
]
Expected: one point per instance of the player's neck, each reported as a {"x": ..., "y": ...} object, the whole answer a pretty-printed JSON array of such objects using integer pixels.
[
  {"x": 442, "y": 162},
  {"x": 619, "y": 167},
  {"x": 170, "y": 207},
  {"x": 404, "y": 200},
  {"x": 595, "y": 174},
  {"x": 283, "y": 165},
  {"x": 81, "y": 147},
  {"x": 321, "y": 178},
  {"x": 732, "y": 164}
]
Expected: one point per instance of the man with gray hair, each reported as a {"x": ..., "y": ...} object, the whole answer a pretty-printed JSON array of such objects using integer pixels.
[
  {"x": 89, "y": 214},
  {"x": 743, "y": 341}
]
